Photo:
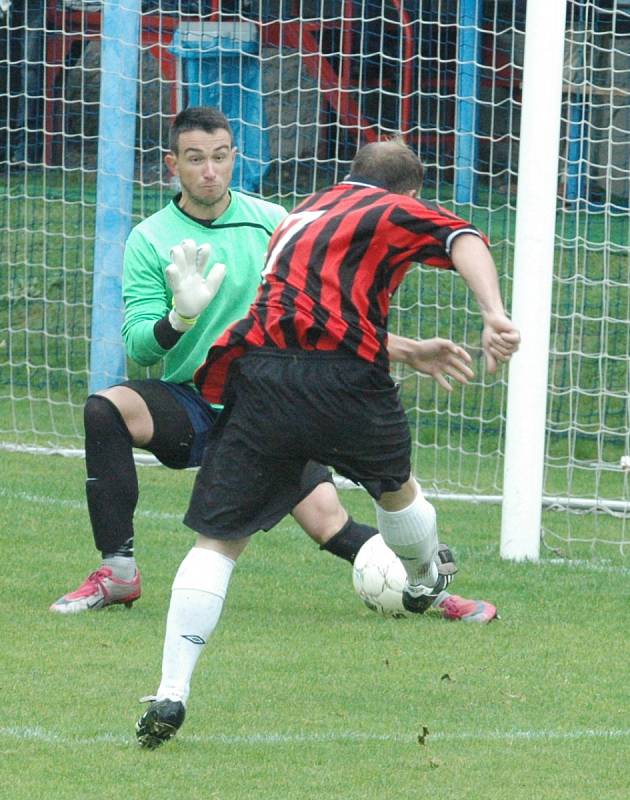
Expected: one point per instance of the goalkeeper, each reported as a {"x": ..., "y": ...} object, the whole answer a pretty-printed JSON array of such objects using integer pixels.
[{"x": 173, "y": 313}]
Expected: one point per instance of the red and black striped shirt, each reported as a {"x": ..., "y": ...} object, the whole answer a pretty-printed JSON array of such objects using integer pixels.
[{"x": 332, "y": 266}]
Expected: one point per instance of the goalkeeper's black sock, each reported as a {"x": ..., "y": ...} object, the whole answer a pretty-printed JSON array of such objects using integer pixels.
[
  {"x": 112, "y": 484},
  {"x": 347, "y": 542},
  {"x": 124, "y": 551}
]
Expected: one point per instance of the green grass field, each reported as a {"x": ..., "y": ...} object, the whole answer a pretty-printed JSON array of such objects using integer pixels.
[{"x": 303, "y": 693}]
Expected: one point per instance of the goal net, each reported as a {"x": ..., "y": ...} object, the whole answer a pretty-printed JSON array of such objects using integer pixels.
[{"x": 304, "y": 83}]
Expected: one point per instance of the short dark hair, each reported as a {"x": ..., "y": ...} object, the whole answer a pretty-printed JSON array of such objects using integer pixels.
[
  {"x": 204, "y": 118},
  {"x": 390, "y": 164}
]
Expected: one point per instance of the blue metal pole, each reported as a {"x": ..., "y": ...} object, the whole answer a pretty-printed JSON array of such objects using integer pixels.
[
  {"x": 466, "y": 116},
  {"x": 577, "y": 170},
  {"x": 575, "y": 149},
  {"x": 114, "y": 187}
]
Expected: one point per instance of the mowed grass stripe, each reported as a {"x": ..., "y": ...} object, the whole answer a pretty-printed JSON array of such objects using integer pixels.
[{"x": 269, "y": 738}]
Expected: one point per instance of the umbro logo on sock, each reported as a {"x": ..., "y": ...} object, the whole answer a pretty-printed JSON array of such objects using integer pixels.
[{"x": 194, "y": 638}]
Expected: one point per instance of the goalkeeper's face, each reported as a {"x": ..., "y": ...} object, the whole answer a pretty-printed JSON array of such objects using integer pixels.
[{"x": 203, "y": 163}]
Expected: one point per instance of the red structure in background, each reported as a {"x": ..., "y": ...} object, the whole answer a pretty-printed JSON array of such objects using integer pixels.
[{"x": 69, "y": 31}]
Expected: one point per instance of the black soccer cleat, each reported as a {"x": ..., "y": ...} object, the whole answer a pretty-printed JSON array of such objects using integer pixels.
[
  {"x": 159, "y": 723},
  {"x": 419, "y": 604}
]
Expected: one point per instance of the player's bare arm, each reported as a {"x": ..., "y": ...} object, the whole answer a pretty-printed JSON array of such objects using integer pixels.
[
  {"x": 435, "y": 357},
  {"x": 500, "y": 338}
]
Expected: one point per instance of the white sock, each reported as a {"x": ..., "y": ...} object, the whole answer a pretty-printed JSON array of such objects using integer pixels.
[
  {"x": 412, "y": 534},
  {"x": 122, "y": 567},
  {"x": 197, "y": 597}
]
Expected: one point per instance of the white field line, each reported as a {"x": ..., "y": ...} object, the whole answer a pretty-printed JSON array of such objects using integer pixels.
[
  {"x": 42, "y": 736},
  {"x": 553, "y": 502},
  {"x": 80, "y": 505}
]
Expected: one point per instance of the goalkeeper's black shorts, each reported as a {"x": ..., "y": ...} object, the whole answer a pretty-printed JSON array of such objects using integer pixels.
[{"x": 284, "y": 410}]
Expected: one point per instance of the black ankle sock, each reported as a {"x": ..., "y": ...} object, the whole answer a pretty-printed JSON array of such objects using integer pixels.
[
  {"x": 347, "y": 542},
  {"x": 124, "y": 551}
]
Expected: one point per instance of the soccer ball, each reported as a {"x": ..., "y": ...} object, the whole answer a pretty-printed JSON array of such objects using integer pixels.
[{"x": 379, "y": 577}]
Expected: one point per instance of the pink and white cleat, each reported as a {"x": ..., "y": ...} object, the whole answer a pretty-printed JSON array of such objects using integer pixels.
[
  {"x": 418, "y": 599},
  {"x": 98, "y": 590},
  {"x": 459, "y": 608}
]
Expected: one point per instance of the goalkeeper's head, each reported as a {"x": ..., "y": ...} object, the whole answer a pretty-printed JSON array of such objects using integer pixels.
[
  {"x": 391, "y": 164},
  {"x": 198, "y": 118}
]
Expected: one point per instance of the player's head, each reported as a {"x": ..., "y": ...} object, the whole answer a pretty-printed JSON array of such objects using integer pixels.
[
  {"x": 202, "y": 156},
  {"x": 198, "y": 118},
  {"x": 391, "y": 164}
]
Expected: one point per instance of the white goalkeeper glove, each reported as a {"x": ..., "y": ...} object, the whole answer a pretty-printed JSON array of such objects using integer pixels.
[{"x": 191, "y": 291}]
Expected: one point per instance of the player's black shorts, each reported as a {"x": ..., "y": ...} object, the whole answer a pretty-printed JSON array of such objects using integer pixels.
[
  {"x": 182, "y": 422},
  {"x": 283, "y": 409}
]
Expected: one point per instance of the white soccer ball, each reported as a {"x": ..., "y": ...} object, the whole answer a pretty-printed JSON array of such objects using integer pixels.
[{"x": 379, "y": 577}]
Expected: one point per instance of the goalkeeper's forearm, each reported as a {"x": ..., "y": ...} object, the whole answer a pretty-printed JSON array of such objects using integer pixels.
[
  {"x": 166, "y": 334},
  {"x": 170, "y": 329}
]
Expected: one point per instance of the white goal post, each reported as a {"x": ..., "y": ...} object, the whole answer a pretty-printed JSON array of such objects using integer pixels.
[
  {"x": 520, "y": 113},
  {"x": 533, "y": 273}
]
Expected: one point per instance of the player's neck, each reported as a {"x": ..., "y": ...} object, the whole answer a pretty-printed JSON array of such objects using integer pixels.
[{"x": 203, "y": 213}]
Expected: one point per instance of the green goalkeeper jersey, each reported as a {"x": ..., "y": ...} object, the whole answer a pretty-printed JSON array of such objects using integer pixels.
[{"x": 238, "y": 238}]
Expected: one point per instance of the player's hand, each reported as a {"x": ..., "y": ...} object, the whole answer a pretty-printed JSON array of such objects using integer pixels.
[
  {"x": 500, "y": 339},
  {"x": 440, "y": 358},
  {"x": 192, "y": 291}
]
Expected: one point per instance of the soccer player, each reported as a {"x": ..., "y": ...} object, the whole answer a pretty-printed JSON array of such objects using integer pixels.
[
  {"x": 305, "y": 375},
  {"x": 168, "y": 417}
]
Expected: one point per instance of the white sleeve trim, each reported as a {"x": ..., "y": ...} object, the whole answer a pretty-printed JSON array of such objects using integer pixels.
[{"x": 452, "y": 236}]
